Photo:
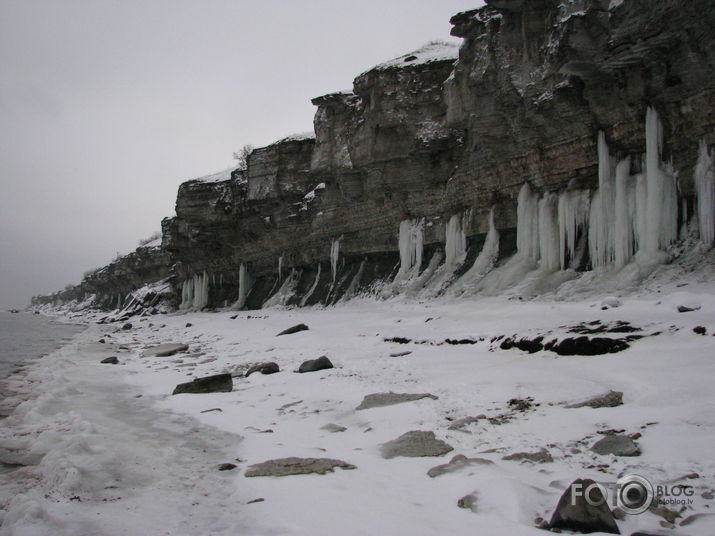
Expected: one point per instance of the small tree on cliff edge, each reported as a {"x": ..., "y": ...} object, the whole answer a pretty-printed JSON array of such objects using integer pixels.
[{"x": 241, "y": 157}]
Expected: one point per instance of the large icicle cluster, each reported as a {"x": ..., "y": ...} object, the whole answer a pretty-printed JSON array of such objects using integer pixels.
[
  {"x": 626, "y": 215},
  {"x": 411, "y": 245},
  {"x": 195, "y": 293},
  {"x": 455, "y": 241},
  {"x": 705, "y": 190}
]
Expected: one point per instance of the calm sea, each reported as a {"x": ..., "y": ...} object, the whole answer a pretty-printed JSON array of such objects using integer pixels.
[{"x": 27, "y": 336}]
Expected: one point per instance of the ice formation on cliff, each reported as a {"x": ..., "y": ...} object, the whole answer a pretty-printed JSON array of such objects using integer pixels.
[
  {"x": 195, "y": 293},
  {"x": 705, "y": 191},
  {"x": 411, "y": 245},
  {"x": 334, "y": 256},
  {"x": 244, "y": 286},
  {"x": 455, "y": 241}
]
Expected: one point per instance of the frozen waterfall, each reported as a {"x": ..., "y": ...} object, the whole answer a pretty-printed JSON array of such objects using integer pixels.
[
  {"x": 411, "y": 245},
  {"x": 705, "y": 191}
]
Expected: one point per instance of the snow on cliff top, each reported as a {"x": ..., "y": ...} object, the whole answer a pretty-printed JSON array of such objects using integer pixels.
[
  {"x": 217, "y": 177},
  {"x": 433, "y": 51},
  {"x": 310, "y": 135}
]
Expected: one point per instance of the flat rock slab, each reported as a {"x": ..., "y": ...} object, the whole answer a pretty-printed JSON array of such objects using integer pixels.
[
  {"x": 618, "y": 445},
  {"x": 314, "y": 365},
  {"x": 377, "y": 400},
  {"x": 457, "y": 463},
  {"x": 296, "y": 466},
  {"x": 218, "y": 383},
  {"x": 609, "y": 400},
  {"x": 415, "y": 444},
  {"x": 540, "y": 456},
  {"x": 110, "y": 360},
  {"x": 165, "y": 350},
  {"x": 293, "y": 329}
]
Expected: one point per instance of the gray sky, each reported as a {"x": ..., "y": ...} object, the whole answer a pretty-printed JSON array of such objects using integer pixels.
[{"x": 106, "y": 106}]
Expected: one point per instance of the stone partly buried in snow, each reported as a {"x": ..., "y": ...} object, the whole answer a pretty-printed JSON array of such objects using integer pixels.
[
  {"x": 218, "y": 383},
  {"x": 296, "y": 466},
  {"x": 457, "y": 463},
  {"x": 165, "y": 350},
  {"x": 294, "y": 329},
  {"x": 110, "y": 360},
  {"x": 415, "y": 444},
  {"x": 314, "y": 365},
  {"x": 618, "y": 445},
  {"x": 574, "y": 512},
  {"x": 264, "y": 368},
  {"x": 377, "y": 400},
  {"x": 588, "y": 346},
  {"x": 540, "y": 456},
  {"x": 611, "y": 399}
]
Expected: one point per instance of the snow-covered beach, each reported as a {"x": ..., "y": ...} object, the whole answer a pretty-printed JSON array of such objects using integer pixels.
[{"x": 108, "y": 450}]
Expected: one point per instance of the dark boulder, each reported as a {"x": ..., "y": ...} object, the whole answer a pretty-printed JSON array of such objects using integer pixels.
[
  {"x": 110, "y": 360},
  {"x": 294, "y": 329},
  {"x": 574, "y": 512},
  {"x": 127, "y": 326},
  {"x": 588, "y": 346},
  {"x": 314, "y": 365},
  {"x": 264, "y": 368},
  {"x": 218, "y": 383}
]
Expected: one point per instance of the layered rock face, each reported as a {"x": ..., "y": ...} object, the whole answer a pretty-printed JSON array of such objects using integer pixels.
[
  {"x": 418, "y": 173},
  {"x": 111, "y": 286}
]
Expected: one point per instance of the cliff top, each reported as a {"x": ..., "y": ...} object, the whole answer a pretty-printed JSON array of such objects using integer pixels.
[
  {"x": 217, "y": 177},
  {"x": 432, "y": 51}
]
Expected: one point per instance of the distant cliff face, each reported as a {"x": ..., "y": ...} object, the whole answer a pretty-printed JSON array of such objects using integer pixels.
[{"x": 408, "y": 166}]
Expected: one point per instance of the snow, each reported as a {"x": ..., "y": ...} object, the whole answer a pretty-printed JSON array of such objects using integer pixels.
[
  {"x": 434, "y": 51},
  {"x": 301, "y": 136},
  {"x": 221, "y": 176},
  {"x": 87, "y": 437}
]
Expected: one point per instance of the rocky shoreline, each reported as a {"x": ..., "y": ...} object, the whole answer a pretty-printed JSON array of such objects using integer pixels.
[{"x": 427, "y": 438}]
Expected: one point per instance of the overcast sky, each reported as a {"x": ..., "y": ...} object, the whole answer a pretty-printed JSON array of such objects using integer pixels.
[{"x": 107, "y": 106}]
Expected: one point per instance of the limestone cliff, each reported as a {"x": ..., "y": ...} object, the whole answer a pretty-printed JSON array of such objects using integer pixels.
[{"x": 425, "y": 146}]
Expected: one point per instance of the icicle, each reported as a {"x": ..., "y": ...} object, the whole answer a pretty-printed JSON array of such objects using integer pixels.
[
  {"x": 280, "y": 268},
  {"x": 484, "y": 262},
  {"x": 548, "y": 233},
  {"x": 200, "y": 288},
  {"x": 661, "y": 201},
  {"x": 455, "y": 243},
  {"x": 312, "y": 288},
  {"x": 411, "y": 245},
  {"x": 187, "y": 294},
  {"x": 573, "y": 211},
  {"x": 244, "y": 286},
  {"x": 527, "y": 224},
  {"x": 623, "y": 217},
  {"x": 705, "y": 192},
  {"x": 641, "y": 209},
  {"x": 600, "y": 227},
  {"x": 334, "y": 256}
]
